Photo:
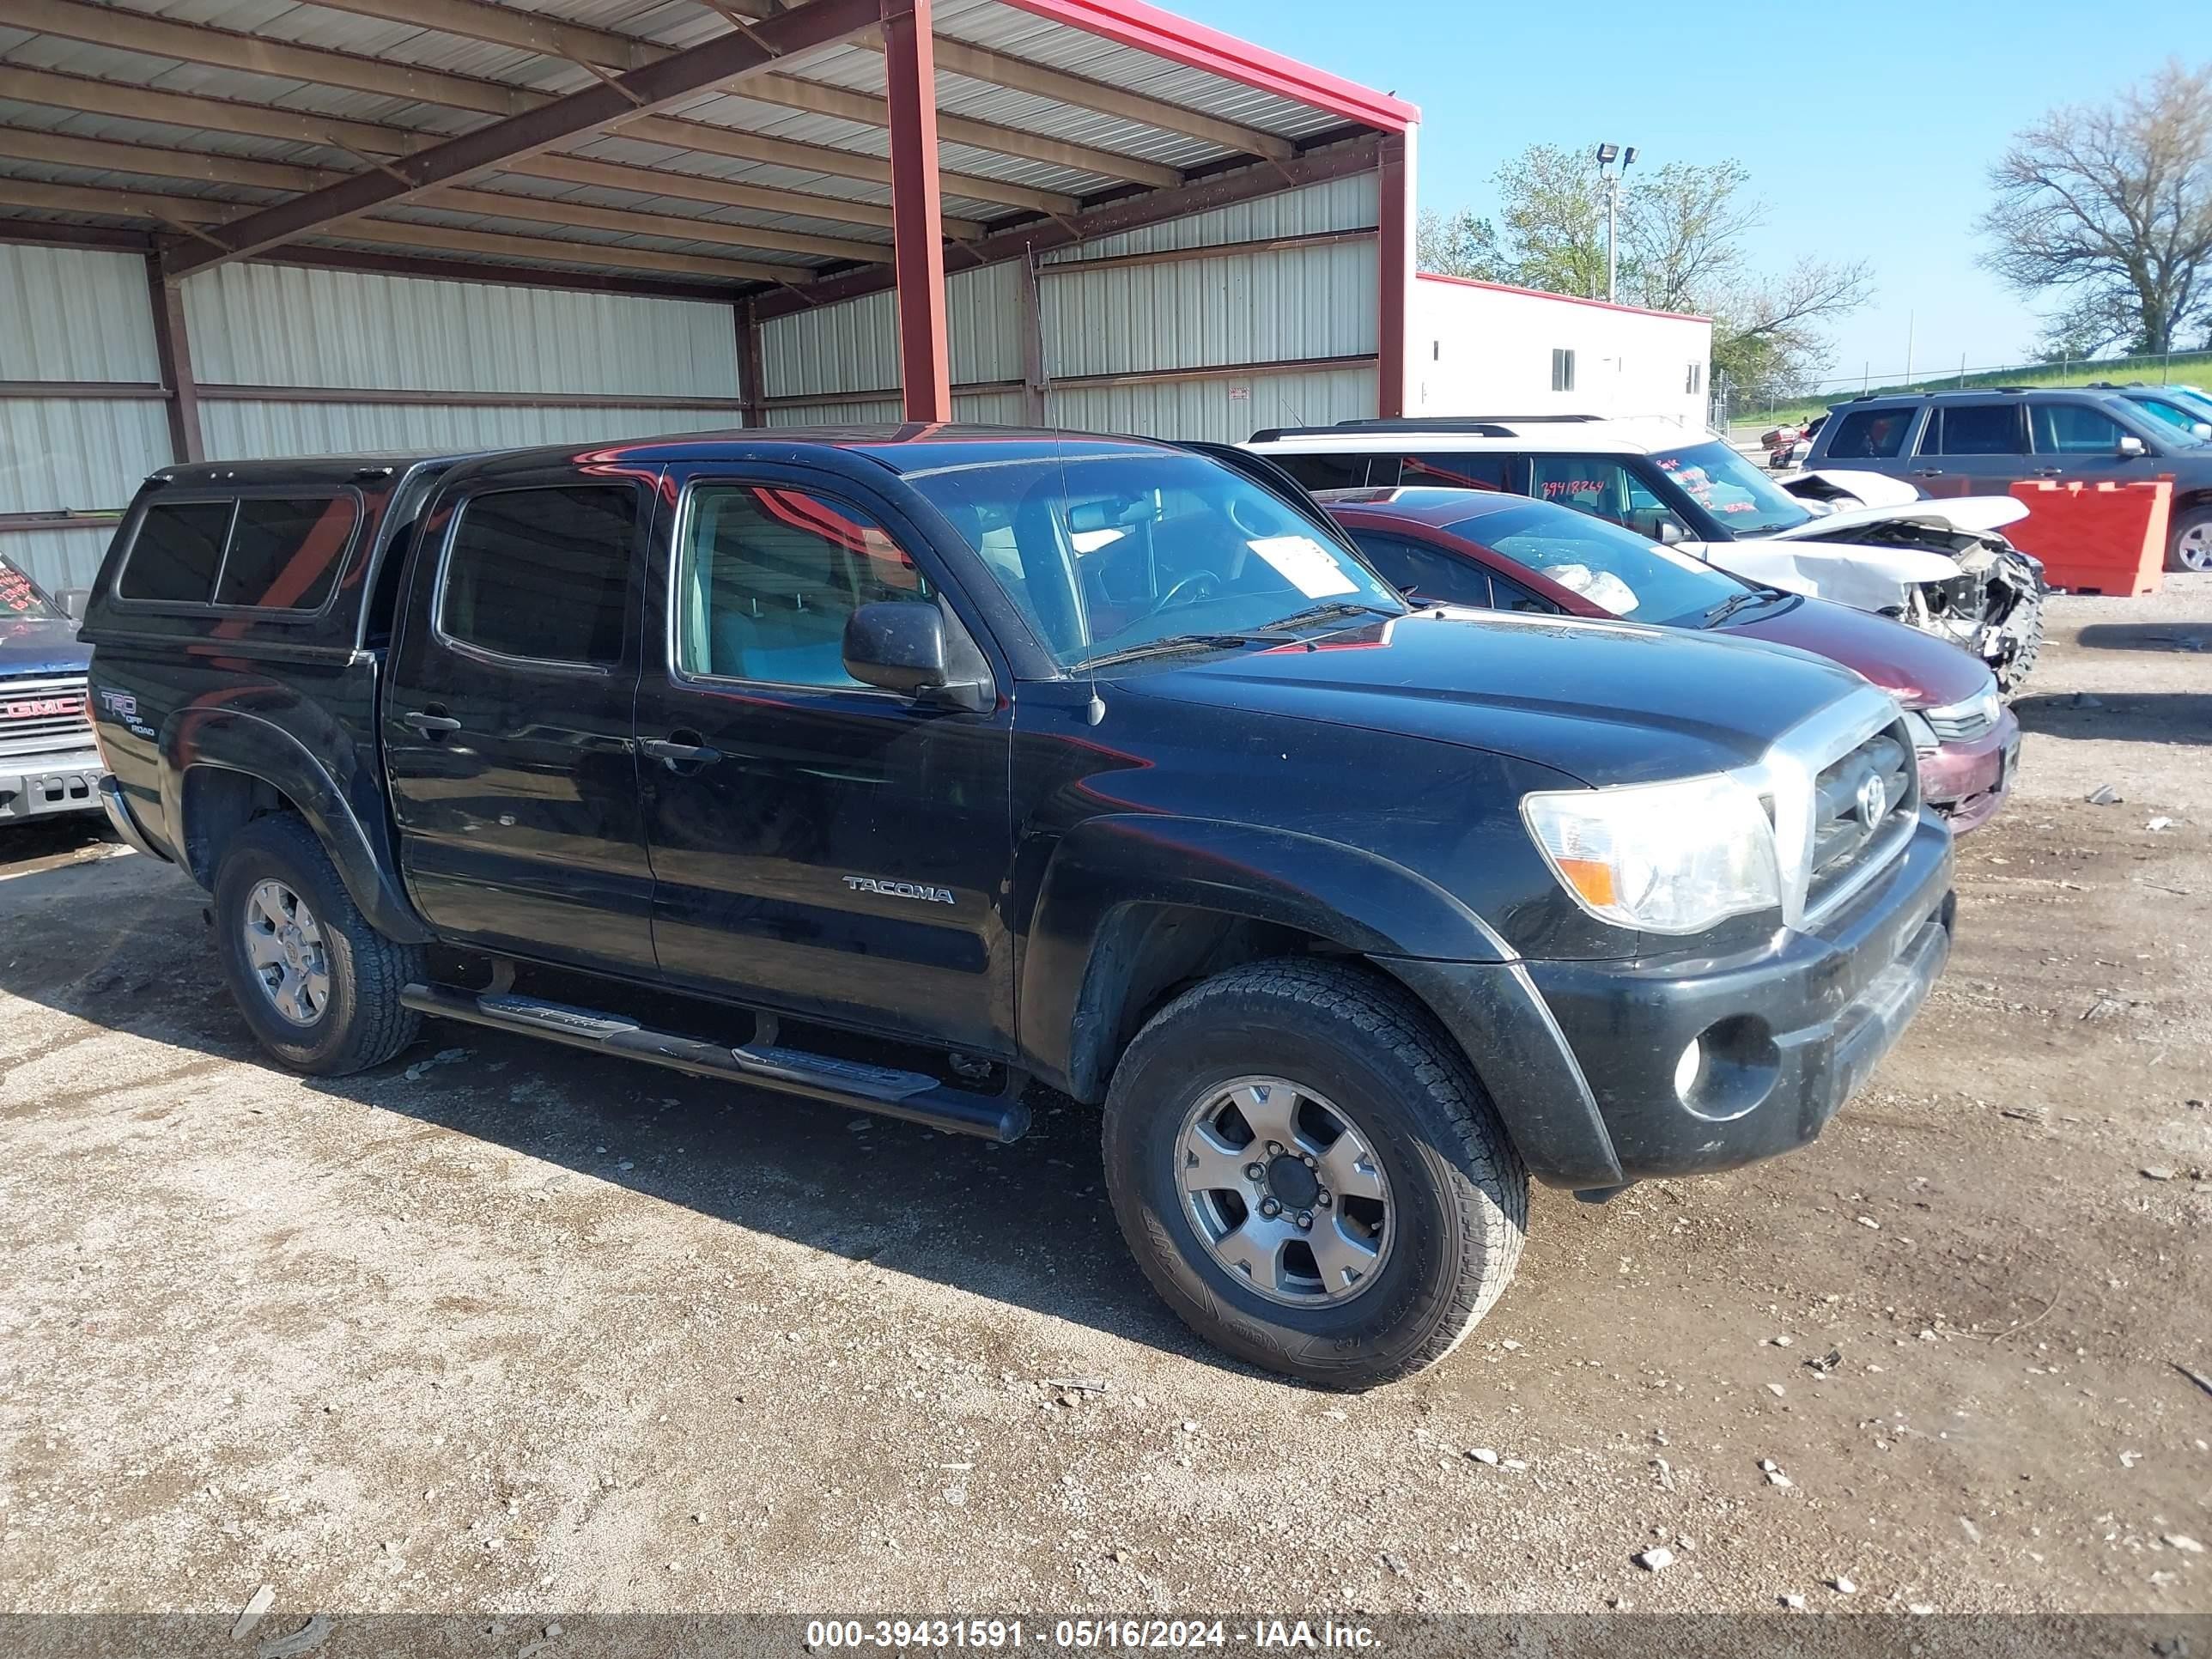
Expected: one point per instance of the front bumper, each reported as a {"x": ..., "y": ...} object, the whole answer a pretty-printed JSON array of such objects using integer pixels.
[
  {"x": 1967, "y": 782},
  {"x": 1585, "y": 1060},
  {"x": 51, "y": 785}
]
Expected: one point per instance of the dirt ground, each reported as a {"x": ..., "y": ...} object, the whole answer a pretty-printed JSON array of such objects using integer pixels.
[{"x": 500, "y": 1328}]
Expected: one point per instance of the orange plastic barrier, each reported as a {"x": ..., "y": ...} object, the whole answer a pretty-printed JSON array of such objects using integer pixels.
[{"x": 2096, "y": 538}]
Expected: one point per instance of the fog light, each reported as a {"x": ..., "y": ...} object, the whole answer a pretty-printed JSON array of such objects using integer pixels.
[{"x": 1728, "y": 1069}]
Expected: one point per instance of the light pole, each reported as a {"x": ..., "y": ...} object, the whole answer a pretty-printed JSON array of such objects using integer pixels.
[{"x": 1609, "y": 181}]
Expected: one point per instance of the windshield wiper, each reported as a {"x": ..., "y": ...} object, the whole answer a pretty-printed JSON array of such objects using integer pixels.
[
  {"x": 1173, "y": 643},
  {"x": 1735, "y": 602},
  {"x": 1332, "y": 611}
]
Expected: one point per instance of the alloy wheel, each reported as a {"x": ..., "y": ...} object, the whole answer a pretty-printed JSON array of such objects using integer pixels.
[{"x": 1285, "y": 1191}]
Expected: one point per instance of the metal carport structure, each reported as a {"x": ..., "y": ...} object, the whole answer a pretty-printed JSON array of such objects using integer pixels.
[{"x": 801, "y": 164}]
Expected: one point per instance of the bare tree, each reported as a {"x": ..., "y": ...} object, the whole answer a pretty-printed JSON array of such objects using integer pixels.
[
  {"x": 2109, "y": 208},
  {"x": 1767, "y": 333}
]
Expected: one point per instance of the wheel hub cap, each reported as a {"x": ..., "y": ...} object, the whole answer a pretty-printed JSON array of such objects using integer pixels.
[
  {"x": 1285, "y": 1191},
  {"x": 284, "y": 951}
]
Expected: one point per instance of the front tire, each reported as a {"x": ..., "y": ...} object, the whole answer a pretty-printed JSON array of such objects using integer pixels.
[
  {"x": 319, "y": 985},
  {"x": 1389, "y": 1207},
  {"x": 2189, "y": 547}
]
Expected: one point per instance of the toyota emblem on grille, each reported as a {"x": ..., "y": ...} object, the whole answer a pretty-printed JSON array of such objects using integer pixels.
[{"x": 1873, "y": 800}]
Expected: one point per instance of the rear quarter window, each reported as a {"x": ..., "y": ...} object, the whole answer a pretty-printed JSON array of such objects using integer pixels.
[{"x": 285, "y": 552}]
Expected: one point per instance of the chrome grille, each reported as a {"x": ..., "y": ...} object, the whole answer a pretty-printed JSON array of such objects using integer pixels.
[
  {"x": 42, "y": 717},
  {"x": 1852, "y": 827},
  {"x": 1962, "y": 722}
]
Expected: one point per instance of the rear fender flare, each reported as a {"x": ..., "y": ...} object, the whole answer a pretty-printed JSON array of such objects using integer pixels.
[
  {"x": 1069, "y": 1005},
  {"x": 237, "y": 740}
]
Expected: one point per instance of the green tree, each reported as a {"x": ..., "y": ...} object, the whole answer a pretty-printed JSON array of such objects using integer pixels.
[
  {"x": 1681, "y": 241},
  {"x": 2107, "y": 208},
  {"x": 1462, "y": 244}
]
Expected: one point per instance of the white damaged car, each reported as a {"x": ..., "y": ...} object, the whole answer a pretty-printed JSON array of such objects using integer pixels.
[{"x": 1856, "y": 538}]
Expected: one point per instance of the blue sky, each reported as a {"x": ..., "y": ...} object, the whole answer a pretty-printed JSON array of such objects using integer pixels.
[{"x": 1867, "y": 128}]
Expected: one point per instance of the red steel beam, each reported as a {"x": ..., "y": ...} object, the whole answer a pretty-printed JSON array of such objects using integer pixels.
[
  {"x": 1394, "y": 237},
  {"x": 1133, "y": 23},
  {"x": 917, "y": 219},
  {"x": 725, "y": 58},
  {"x": 1133, "y": 212}
]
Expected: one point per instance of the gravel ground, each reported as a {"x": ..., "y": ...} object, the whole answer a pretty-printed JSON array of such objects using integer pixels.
[{"x": 500, "y": 1327}]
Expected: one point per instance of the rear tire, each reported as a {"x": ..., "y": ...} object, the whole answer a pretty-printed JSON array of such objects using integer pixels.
[
  {"x": 319, "y": 985},
  {"x": 2190, "y": 546},
  {"x": 1356, "y": 1050}
]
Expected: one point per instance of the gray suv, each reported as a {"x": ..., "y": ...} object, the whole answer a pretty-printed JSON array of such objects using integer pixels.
[{"x": 1983, "y": 441}]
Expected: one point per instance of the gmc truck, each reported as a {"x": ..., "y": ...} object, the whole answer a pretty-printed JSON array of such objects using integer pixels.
[
  {"x": 48, "y": 762},
  {"x": 903, "y": 768}
]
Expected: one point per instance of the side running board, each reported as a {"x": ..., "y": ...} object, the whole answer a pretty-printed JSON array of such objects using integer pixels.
[{"x": 882, "y": 1089}]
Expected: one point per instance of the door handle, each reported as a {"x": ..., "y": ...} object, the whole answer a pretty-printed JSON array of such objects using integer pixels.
[
  {"x": 675, "y": 754},
  {"x": 1930, "y": 472},
  {"x": 430, "y": 722},
  {"x": 2049, "y": 472}
]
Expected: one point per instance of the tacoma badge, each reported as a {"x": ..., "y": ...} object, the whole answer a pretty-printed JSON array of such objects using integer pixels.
[{"x": 905, "y": 890}]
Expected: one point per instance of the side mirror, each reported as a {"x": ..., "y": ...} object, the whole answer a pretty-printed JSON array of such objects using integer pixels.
[
  {"x": 900, "y": 646},
  {"x": 1670, "y": 532},
  {"x": 2201, "y": 430},
  {"x": 73, "y": 600},
  {"x": 2132, "y": 448}
]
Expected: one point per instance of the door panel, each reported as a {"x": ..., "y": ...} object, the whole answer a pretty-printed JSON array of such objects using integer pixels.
[
  {"x": 1973, "y": 448},
  {"x": 2077, "y": 443},
  {"x": 836, "y": 851},
  {"x": 508, "y": 723}
]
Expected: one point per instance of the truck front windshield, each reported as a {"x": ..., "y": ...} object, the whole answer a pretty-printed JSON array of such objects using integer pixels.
[
  {"x": 20, "y": 598},
  {"x": 1108, "y": 555},
  {"x": 1736, "y": 496}
]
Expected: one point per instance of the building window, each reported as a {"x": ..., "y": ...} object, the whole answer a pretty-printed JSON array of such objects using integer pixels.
[
  {"x": 1563, "y": 369},
  {"x": 1693, "y": 381}
]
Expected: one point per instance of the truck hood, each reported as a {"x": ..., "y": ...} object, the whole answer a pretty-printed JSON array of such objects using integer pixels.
[
  {"x": 1977, "y": 514},
  {"x": 1911, "y": 666},
  {"x": 32, "y": 646},
  {"x": 1605, "y": 703}
]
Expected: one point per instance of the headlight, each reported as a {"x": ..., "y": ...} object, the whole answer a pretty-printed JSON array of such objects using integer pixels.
[{"x": 1664, "y": 857}]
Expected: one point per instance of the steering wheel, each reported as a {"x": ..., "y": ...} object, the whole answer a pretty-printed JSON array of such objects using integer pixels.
[{"x": 1199, "y": 584}]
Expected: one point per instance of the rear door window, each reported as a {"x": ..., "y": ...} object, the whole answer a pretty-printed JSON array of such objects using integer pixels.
[
  {"x": 285, "y": 551},
  {"x": 1318, "y": 472},
  {"x": 1489, "y": 471},
  {"x": 1975, "y": 429},
  {"x": 543, "y": 575},
  {"x": 1870, "y": 435},
  {"x": 177, "y": 552}
]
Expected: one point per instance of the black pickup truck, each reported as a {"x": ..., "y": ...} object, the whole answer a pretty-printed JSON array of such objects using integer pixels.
[{"x": 905, "y": 768}]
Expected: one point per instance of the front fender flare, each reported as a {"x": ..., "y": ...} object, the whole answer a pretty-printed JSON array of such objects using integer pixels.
[
  {"x": 1108, "y": 866},
  {"x": 239, "y": 740}
]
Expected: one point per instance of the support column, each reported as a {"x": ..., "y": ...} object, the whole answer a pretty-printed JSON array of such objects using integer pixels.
[
  {"x": 917, "y": 219},
  {"x": 173, "y": 350},
  {"x": 1394, "y": 240},
  {"x": 752, "y": 390},
  {"x": 1034, "y": 381}
]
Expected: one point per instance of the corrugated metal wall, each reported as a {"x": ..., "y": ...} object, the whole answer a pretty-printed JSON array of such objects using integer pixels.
[
  {"x": 70, "y": 315},
  {"x": 1141, "y": 324}
]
